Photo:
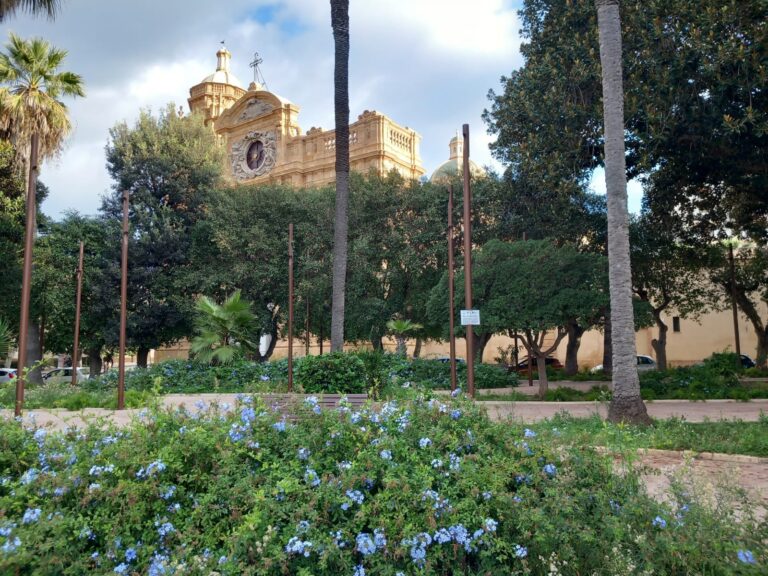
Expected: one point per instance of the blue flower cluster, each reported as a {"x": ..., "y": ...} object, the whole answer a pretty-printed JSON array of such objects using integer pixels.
[{"x": 154, "y": 468}]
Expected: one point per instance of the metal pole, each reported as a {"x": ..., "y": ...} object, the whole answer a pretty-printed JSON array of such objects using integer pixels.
[
  {"x": 290, "y": 307},
  {"x": 26, "y": 278},
  {"x": 468, "y": 263},
  {"x": 452, "y": 331},
  {"x": 123, "y": 308},
  {"x": 733, "y": 304},
  {"x": 76, "y": 347}
]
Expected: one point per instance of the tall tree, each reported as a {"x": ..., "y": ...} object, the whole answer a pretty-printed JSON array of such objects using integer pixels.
[
  {"x": 36, "y": 122},
  {"x": 34, "y": 7},
  {"x": 340, "y": 25},
  {"x": 626, "y": 404},
  {"x": 169, "y": 164}
]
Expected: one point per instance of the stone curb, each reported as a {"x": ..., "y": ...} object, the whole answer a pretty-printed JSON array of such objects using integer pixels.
[{"x": 713, "y": 456}]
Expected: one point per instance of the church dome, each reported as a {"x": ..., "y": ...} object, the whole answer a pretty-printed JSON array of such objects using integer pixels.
[
  {"x": 223, "y": 74},
  {"x": 452, "y": 167}
]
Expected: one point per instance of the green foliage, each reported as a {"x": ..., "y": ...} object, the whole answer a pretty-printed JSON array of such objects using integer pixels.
[
  {"x": 691, "y": 383},
  {"x": 231, "y": 493},
  {"x": 337, "y": 372},
  {"x": 224, "y": 331},
  {"x": 169, "y": 164},
  {"x": 725, "y": 436},
  {"x": 6, "y": 337}
]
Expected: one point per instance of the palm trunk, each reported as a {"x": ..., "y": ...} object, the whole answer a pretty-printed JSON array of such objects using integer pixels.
[
  {"x": 626, "y": 405},
  {"x": 340, "y": 25},
  {"x": 417, "y": 348}
]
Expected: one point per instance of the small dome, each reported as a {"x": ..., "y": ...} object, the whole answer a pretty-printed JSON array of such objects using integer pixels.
[
  {"x": 453, "y": 166},
  {"x": 222, "y": 74}
]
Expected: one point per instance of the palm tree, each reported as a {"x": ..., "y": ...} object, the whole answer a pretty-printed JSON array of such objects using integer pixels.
[
  {"x": 30, "y": 92},
  {"x": 626, "y": 405},
  {"x": 224, "y": 330},
  {"x": 34, "y": 7},
  {"x": 5, "y": 338},
  {"x": 340, "y": 25},
  {"x": 36, "y": 122},
  {"x": 400, "y": 329}
]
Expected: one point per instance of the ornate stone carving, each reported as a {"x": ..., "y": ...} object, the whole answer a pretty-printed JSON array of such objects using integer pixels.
[
  {"x": 254, "y": 155},
  {"x": 254, "y": 108}
]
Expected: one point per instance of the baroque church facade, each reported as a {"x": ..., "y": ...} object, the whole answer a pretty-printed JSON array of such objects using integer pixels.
[{"x": 265, "y": 144}]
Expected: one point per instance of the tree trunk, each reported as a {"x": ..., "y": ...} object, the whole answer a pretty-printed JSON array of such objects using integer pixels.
[
  {"x": 141, "y": 357},
  {"x": 541, "y": 364},
  {"x": 762, "y": 348},
  {"x": 660, "y": 344},
  {"x": 626, "y": 405},
  {"x": 575, "y": 331},
  {"x": 94, "y": 362},
  {"x": 479, "y": 342},
  {"x": 761, "y": 330},
  {"x": 417, "y": 348},
  {"x": 340, "y": 25},
  {"x": 401, "y": 348}
]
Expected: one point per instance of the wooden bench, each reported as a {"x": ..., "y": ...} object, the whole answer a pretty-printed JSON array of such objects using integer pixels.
[{"x": 285, "y": 402}]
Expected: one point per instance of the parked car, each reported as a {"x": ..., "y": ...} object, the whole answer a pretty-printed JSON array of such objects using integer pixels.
[
  {"x": 522, "y": 366},
  {"x": 7, "y": 375},
  {"x": 644, "y": 363},
  {"x": 64, "y": 375},
  {"x": 447, "y": 360}
]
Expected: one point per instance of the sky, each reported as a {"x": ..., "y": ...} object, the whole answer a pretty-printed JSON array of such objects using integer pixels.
[{"x": 427, "y": 64}]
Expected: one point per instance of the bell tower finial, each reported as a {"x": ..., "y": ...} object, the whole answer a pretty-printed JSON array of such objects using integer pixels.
[{"x": 223, "y": 56}]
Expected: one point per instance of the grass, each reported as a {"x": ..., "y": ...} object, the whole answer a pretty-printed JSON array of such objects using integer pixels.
[{"x": 723, "y": 436}]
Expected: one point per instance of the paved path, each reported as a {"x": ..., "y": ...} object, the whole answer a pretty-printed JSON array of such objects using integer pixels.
[{"x": 522, "y": 411}]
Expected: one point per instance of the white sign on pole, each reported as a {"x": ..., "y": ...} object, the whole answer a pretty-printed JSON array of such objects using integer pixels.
[{"x": 470, "y": 317}]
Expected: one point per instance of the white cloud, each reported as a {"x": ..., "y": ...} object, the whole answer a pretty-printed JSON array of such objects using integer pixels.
[{"x": 428, "y": 64}]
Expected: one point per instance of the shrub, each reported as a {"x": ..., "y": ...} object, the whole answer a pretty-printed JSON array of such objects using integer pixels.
[
  {"x": 419, "y": 488},
  {"x": 337, "y": 372}
]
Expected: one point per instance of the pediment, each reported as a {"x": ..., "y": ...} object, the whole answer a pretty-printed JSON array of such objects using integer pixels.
[{"x": 254, "y": 104}]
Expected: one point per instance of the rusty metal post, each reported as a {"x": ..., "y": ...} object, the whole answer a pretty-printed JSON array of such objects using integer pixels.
[
  {"x": 123, "y": 308},
  {"x": 733, "y": 303},
  {"x": 468, "y": 264},
  {"x": 451, "y": 327},
  {"x": 26, "y": 278},
  {"x": 290, "y": 307},
  {"x": 78, "y": 297}
]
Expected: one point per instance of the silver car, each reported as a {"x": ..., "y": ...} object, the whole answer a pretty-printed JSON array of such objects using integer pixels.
[
  {"x": 64, "y": 375},
  {"x": 7, "y": 375},
  {"x": 644, "y": 363}
]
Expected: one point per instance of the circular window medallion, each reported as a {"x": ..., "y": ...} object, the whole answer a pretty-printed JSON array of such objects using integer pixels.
[{"x": 256, "y": 155}]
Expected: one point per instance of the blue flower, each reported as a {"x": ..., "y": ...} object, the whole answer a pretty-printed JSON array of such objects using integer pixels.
[
  {"x": 298, "y": 546},
  {"x": 121, "y": 568},
  {"x": 425, "y": 443},
  {"x": 39, "y": 435},
  {"x": 169, "y": 493},
  {"x": 11, "y": 545},
  {"x": 455, "y": 393},
  {"x": 31, "y": 515},
  {"x": 279, "y": 426},
  {"x": 304, "y": 453},
  {"x": 442, "y": 536},
  {"x": 264, "y": 378},
  {"x": 359, "y": 570},
  {"x": 247, "y": 415},
  {"x": 550, "y": 470},
  {"x": 437, "y": 463},
  {"x": 456, "y": 414},
  {"x": 746, "y": 557},
  {"x": 379, "y": 539},
  {"x": 386, "y": 454},
  {"x": 521, "y": 551},
  {"x": 528, "y": 433},
  {"x": 659, "y": 522},
  {"x": 164, "y": 529},
  {"x": 130, "y": 555},
  {"x": 365, "y": 544},
  {"x": 311, "y": 477},
  {"x": 157, "y": 566},
  {"x": 487, "y": 495},
  {"x": 302, "y": 527},
  {"x": 490, "y": 525}
]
